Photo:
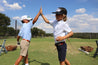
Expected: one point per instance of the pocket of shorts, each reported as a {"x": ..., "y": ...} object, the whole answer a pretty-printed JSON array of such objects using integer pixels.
[{"x": 27, "y": 43}]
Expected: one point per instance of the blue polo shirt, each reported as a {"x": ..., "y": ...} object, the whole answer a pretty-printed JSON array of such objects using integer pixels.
[{"x": 25, "y": 31}]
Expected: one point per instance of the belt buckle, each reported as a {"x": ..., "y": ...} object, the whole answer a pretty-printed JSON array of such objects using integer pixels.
[
  {"x": 61, "y": 43},
  {"x": 58, "y": 44}
]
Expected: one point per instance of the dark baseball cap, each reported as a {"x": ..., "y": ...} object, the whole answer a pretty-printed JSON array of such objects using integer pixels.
[{"x": 60, "y": 10}]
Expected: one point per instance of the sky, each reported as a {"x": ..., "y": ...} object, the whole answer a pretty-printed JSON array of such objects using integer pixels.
[{"x": 82, "y": 14}]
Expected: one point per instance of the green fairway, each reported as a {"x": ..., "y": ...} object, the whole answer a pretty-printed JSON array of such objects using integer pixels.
[{"x": 42, "y": 51}]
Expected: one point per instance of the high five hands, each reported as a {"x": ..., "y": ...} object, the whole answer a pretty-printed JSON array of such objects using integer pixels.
[
  {"x": 40, "y": 11},
  {"x": 59, "y": 38}
]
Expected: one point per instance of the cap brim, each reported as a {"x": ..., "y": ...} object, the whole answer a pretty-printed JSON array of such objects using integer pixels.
[
  {"x": 27, "y": 19},
  {"x": 56, "y": 12}
]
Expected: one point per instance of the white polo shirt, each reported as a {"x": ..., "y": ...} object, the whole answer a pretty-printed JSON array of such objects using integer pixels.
[{"x": 60, "y": 29}]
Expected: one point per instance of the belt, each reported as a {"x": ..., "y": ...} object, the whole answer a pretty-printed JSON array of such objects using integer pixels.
[
  {"x": 26, "y": 40},
  {"x": 60, "y": 43}
]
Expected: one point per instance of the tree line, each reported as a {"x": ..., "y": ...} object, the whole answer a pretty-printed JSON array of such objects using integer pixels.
[
  {"x": 85, "y": 35},
  {"x": 36, "y": 32},
  {"x": 10, "y": 31}
]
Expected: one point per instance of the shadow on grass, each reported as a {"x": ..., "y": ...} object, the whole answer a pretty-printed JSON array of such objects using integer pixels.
[
  {"x": 91, "y": 55},
  {"x": 36, "y": 61}
]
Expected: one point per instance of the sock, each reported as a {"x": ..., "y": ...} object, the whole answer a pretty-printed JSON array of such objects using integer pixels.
[{"x": 26, "y": 64}]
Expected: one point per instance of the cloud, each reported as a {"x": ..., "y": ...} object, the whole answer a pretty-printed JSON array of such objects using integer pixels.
[
  {"x": 81, "y": 10},
  {"x": 4, "y": 1},
  {"x": 78, "y": 23},
  {"x": 16, "y": 18},
  {"x": 1, "y": 9},
  {"x": 13, "y": 6},
  {"x": 83, "y": 23},
  {"x": 46, "y": 27},
  {"x": 24, "y": 6}
]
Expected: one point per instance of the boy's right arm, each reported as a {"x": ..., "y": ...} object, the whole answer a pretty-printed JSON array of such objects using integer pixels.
[
  {"x": 45, "y": 19},
  {"x": 36, "y": 17},
  {"x": 18, "y": 37}
]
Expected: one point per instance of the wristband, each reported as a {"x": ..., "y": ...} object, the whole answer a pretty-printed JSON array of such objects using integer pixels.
[{"x": 18, "y": 43}]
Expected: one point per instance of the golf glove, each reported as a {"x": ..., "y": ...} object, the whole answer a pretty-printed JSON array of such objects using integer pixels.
[{"x": 18, "y": 43}]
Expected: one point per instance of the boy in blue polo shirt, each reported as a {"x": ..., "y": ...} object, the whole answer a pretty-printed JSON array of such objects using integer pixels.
[
  {"x": 60, "y": 28},
  {"x": 25, "y": 33}
]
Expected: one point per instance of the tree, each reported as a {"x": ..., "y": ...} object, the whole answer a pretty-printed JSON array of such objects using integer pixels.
[
  {"x": 41, "y": 33},
  {"x": 10, "y": 31},
  {"x": 34, "y": 32},
  {"x": 49, "y": 34},
  {"x": 4, "y": 22},
  {"x": 37, "y": 32}
]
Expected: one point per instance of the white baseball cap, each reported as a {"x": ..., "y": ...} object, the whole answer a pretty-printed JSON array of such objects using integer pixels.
[{"x": 25, "y": 17}]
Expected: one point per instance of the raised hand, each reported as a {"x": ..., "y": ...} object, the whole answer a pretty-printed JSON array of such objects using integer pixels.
[
  {"x": 45, "y": 19},
  {"x": 41, "y": 11}
]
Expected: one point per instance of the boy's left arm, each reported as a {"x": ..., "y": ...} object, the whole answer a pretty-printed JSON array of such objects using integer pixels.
[
  {"x": 36, "y": 18},
  {"x": 64, "y": 37}
]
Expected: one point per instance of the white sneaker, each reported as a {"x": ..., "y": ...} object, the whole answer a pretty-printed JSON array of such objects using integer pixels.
[{"x": 26, "y": 64}]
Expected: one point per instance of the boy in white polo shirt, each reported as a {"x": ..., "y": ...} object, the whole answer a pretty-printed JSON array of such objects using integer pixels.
[
  {"x": 25, "y": 33},
  {"x": 60, "y": 28}
]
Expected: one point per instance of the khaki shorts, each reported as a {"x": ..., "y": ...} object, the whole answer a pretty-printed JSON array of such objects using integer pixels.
[{"x": 24, "y": 45}]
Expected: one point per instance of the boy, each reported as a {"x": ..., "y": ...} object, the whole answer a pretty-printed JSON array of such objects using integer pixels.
[
  {"x": 25, "y": 33},
  {"x": 60, "y": 28}
]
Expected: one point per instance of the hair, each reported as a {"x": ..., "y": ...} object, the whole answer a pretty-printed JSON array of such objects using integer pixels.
[
  {"x": 64, "y": 13},
  {"x": 64, "y": 17},
  {"x": 23, "y": 21}
]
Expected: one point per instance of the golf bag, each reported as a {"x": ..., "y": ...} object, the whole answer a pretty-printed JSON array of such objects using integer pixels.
[
  {"x": 87, "y": 48},
  {"x": 11, "y": 47}
]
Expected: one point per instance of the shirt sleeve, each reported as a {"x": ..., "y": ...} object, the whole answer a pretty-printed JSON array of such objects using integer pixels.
[
  {"x": 67, "y": 28},
  {"x": 51, "y": 22}
]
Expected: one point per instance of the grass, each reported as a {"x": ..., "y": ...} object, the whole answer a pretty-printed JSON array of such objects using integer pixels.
[{"x": 43, "y": 52}]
